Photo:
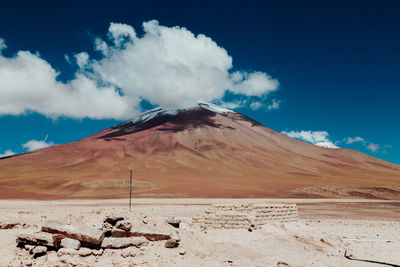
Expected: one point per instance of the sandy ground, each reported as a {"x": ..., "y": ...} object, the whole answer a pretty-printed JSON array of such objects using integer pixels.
[{"x": 367, "y": 229}]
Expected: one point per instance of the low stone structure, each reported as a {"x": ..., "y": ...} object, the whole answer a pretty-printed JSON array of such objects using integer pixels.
[
  {"x": 115, "y": 233},
  {"x": 251, "y": 216},
  {"x": 88, "y": 235}
]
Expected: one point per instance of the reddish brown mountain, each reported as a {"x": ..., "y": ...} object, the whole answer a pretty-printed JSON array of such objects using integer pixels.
[{"x": 200, "y": 152}]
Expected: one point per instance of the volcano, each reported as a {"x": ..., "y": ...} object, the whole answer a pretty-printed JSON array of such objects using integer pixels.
[{"x": 204, "y": 151}]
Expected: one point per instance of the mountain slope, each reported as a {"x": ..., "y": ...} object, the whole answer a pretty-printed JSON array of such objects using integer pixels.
[{"x": 204, "y": 151}]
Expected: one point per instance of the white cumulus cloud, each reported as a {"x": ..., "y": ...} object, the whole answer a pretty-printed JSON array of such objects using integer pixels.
[
  {"x": 36, "y": 144},
  {"x": 172, "y": 67},
  {"x": 7, "y": 153},
  {"x": 318, "y": 138},
  {"x": 120, "y": 32},
  {"x": 82, "y": 59},
  {"x": 29, "y": 83},
  {"x": 352, "y": 140},
  {"x": 166, "y": 66}
]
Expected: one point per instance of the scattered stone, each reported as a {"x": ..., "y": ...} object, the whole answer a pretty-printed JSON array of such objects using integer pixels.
[
  {"x": 84, "y": 252},
  {"x": 11, "y": 225},
  {"x": 57, "y": 238},
  {"x": 182, "y": 252},
  {"x": 98, "y": 252},
  {"x": 68, "y": 260},
  {"x": 111, "y": 242},
  {"x": 131, "y": 252},
  {"x": 175, "y": 235},
  {"x": 66, "y": 251},
  {"x": 29, "y": 248},
  {"x": 70, "y": 243},
  {"x": 149, "y": 235},
  {"x": 120, "y": 233},
  {"x": 282, "y": 264},
  {"x": 108, "y": 252},
  {"x": 111, "y": 219},
  {"x": 171, "y": 243},
  {"x": 124, "y": 225},
  {"x": 37, "y": 239},
  {"x": 52, "y": 258},
  {"x": 89, "y": 236},
  {"x": 39, "y": 251},
  {"x": 27, "y": 263},
  {"x": 107, "y": 227},
  {"x": 173, "y": 221}
]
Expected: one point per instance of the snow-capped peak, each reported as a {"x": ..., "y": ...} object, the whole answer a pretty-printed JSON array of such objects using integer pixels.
[
  {"x": 153, "y": 113},
  {"x": 159, "y": 111},
  {"x": 213, "y": 107}
]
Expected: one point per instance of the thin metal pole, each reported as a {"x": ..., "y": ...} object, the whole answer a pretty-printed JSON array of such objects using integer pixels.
[{"x": 130, "y": 190}]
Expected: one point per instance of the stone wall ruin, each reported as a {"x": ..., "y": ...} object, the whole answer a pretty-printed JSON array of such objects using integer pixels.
[{"x": 251, "y": 216}]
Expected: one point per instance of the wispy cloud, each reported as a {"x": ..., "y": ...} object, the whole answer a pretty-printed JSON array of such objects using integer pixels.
[
  {"x": 275, "y": 104},
  {"x": 2, "y": 44},
  {"x": 367, "y": 144},
  {"x": 352, "y": 140},
  {"x": 257, "y": 104},
  {"x": 321, "y": 138}
]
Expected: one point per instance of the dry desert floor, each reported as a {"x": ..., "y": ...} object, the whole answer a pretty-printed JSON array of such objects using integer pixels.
[{"x": 326, "y": 228}]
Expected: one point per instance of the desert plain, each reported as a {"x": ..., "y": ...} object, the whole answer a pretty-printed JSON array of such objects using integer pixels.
[{"x": 325, "y": 229}]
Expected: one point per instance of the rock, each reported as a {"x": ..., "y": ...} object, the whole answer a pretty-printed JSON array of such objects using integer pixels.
[
  {"x": 57, "y": 238},
  {"x": 27, "y": 263},
  {"x": 131, "y": 252},
  {"x": 120, "y": 233},
  {"x": 107, "y": 227},
  {"x": 38, "y": 239},
  {"x": 70, "y": 261},
  {"x": 66, "y": 251},
  {"x": 124, "y": 225},
  {"x": 171, "y": 243},
  {"x": 89, "y": 236},
  {"x": 29, "y": 248},
  {"x": 149, "y": 235},
  {"x": 70, "y": 243},
  {"x": 175, "y": 235},
  {"x": 39, "y": 251},
  {"x": 111, "y": 242},
  {"x": 84, "y": 252},
  {"x": 182, "y": 252},
  {"x": 109, "y": 252},
  {"x": 9, "y": 225},
  {"x": 112, "y": 219},
  {"x": 52, "y": 258},
  {"x": 282, "y": 264},
  {"x": 173, "y": 221},
  {"x": 98, "y": 252}
]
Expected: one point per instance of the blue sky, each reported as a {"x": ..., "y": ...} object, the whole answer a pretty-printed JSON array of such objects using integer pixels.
[{"x": 336, "y": 63}]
